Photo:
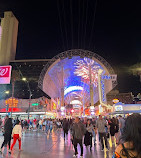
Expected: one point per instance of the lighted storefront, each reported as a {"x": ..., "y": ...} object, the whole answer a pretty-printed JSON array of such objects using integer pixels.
[{"x": 125, "y": 109}]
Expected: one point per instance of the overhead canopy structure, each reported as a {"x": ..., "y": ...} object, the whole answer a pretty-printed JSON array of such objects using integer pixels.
[{"x": 71, "y": 71}]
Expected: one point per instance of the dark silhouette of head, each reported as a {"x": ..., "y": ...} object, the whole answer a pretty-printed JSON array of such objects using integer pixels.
[
  {"x": 132, "y": 131},
  {"x": 17, "y": 122}
]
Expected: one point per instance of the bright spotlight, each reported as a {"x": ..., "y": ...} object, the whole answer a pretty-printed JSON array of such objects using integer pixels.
[
  {"x": 7, "y": 92},
  {"x": 24, "y": 79}
]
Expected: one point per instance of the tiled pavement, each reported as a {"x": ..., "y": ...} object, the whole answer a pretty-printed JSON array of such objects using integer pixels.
[{"x": 39, "y": 145}]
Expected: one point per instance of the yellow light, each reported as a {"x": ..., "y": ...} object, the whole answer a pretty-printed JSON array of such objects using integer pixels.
[
  {"x": 24, "y": 79},
  {"x": 7, "y": 92},
  {"x": 115, "y": 101}
]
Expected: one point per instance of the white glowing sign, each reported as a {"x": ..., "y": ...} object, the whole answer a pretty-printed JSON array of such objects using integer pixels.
[
  {"x": 62, "y": 108},
  {"x": 76, "y": 102},
  {"x": 100, "y": 109},
  {"x": 62, "y": 113},
  {"x": 76, "y": 106},
  {"x": 118, "y": 108},
  {"x": 73, "y": 88},
  {"x": 91, "y": 108},
  {"x": 92, "y": 113}
]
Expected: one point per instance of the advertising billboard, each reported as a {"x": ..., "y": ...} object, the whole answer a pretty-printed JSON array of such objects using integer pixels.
[{"x": 5, "y": 74}]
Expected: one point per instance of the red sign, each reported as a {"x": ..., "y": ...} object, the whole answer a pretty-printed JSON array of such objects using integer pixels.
[{"x": 5, "y": 74}]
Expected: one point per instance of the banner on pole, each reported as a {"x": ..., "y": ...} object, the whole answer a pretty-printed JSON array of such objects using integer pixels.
[{"x": 5, "y": 74}]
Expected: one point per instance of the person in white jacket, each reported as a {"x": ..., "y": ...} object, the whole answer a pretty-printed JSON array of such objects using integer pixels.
[{"x": 17, "y": 134}]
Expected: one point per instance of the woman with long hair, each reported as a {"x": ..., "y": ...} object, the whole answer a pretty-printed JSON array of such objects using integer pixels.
[
  {"x": 117, "y": 130},
  {"x": 88, "y": 134},
  {"x": 7, "y": 134},
  {"x": 131, "y": 138},
  {"x": 112, "y": 128}
]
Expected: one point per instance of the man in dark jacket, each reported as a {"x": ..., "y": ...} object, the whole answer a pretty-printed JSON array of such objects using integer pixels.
[
  {"x": 78, "y": 131},
  {"x": 65, "y": 127}
]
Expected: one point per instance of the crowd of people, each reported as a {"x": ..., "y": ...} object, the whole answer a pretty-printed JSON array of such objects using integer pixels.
[{"x": 126, "y": 132}]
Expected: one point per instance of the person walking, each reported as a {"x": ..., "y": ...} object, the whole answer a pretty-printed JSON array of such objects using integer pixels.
[
  {"x": 0, "y": 123},
  {"x": 78, "y": 131},
  {"x": 88, "y": 134},
  {"x": 112, "y": 129},
  {"x": 17, "y": 134},
  {"x": 44, "y": 125},
  {"x": 65, "y": 126},
  {"x": 131, "y": 138},
  {"x": 117, "y": 130},
  {"x": 47, "y": 125},
  {"x": 121, "y": 124},
  {"x": 101, "y": 125},
  {"x": 50, "y": 122},
  {"x": 94, "y": 130},
  {"x": 40, "y": 124},
  {"x": 7, "y": 134}
]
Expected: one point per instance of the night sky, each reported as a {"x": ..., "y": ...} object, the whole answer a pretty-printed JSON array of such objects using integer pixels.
[{"x": 111, "y": 29}]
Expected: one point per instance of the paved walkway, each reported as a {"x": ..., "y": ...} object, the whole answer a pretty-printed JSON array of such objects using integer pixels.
[{"x": 39, "y": 145}]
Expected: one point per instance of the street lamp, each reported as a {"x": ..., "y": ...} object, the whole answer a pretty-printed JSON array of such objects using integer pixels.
[
  {"x": 6, "y": 92},
  {"x": 24, "y": 79},
  {"x": 7, "y": 106},
  {"x": 30, "y": 94}
]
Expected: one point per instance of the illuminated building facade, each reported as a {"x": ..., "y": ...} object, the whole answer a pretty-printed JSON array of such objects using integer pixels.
[
  {"x": 8, "y": 38},
  {"x": 126, "y": 98},
  {"x": 70, "y": 76},
  {"x": 65, "y": 78}
]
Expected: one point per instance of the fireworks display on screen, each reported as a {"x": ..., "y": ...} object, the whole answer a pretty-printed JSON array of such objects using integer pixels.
[{"x": 83, "y": 68}]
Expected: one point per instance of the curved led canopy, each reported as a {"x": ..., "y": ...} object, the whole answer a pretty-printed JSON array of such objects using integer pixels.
[{"x": 73, "y": 88}]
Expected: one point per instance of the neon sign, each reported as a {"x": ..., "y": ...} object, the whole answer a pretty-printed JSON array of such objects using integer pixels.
[
  {"x": 118, "y": 108},
  {"x": 35, "y": 104},
  {"x": 103, "y": 91},
  {"x": 109, "y": 77},
  {"x": 5, "y": 74},
  {"x": 106, "y": 77}
]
